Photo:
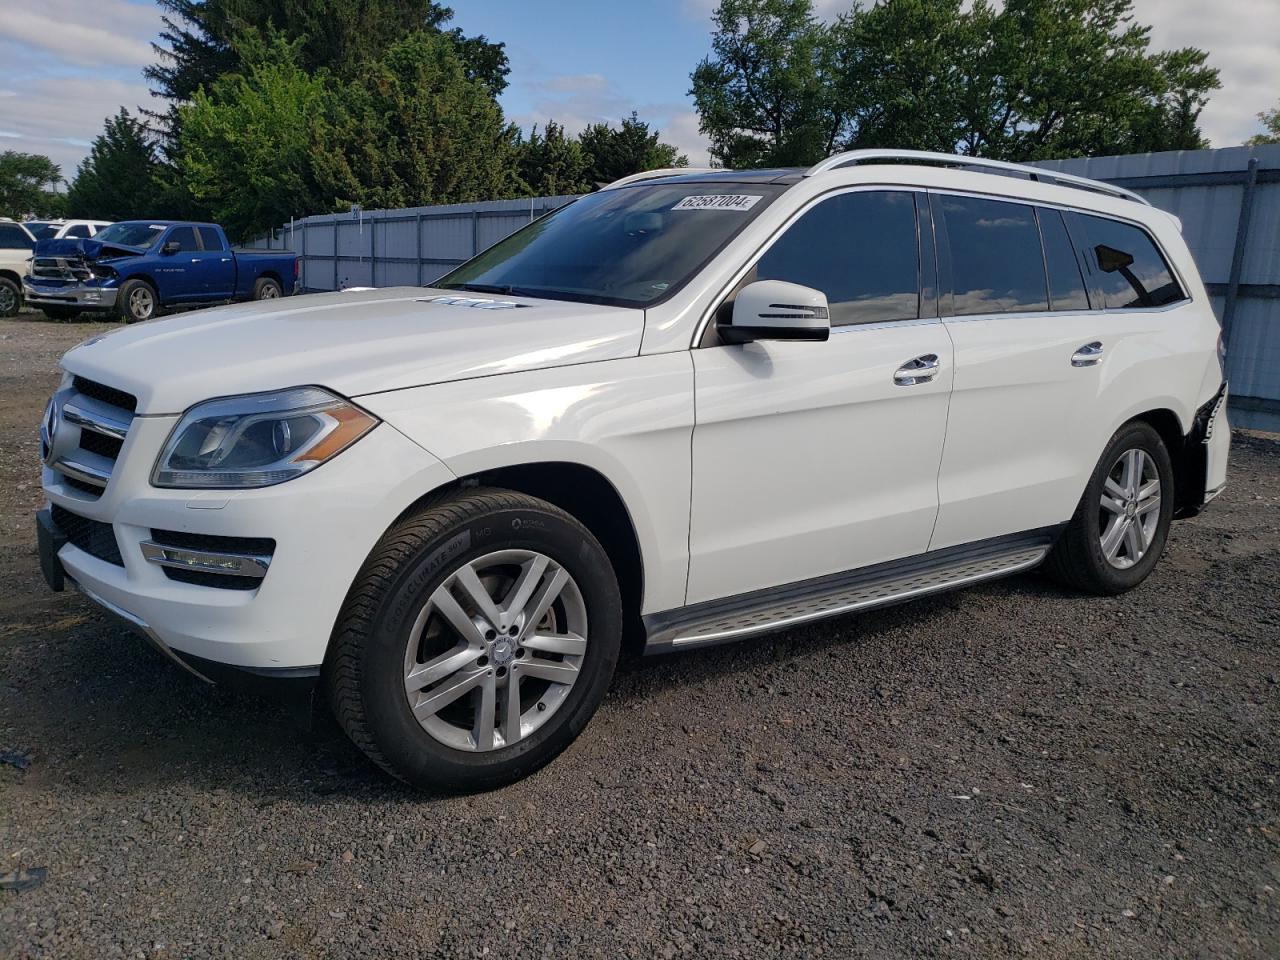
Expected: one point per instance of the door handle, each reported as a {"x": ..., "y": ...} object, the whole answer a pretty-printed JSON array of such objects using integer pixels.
[
  {"x": 1088, "y": 355},
  {"x": 920, "y": 370}
]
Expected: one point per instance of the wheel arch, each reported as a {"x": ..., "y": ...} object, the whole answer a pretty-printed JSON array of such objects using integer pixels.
[
  {"x": 590, "y": 497},
  {"x": 1185, "y": 453}
]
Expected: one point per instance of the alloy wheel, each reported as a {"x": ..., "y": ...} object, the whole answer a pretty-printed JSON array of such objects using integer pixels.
[
  {"x": 141, "y": 303},
  {"x": 495, "y": 651},
  {"x": 1129, "y": 509}
]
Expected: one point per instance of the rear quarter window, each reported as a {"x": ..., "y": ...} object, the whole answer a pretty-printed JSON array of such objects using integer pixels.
[
  {"x": 1131, "y": 271},
  {"x": 13, "y": 237}
]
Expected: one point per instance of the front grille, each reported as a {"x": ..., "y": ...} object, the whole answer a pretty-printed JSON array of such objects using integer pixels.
[
  {"x": 87, "y": 443},
  {"x": 100, "y": 444},
  {"x": 60, "y": 268},
  {"x": 242, "y": 546},
  {"x": 108, "y": 395},
  {"x": 94, "y": 537}
]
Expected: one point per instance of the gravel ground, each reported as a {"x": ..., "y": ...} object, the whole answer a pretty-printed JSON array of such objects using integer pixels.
[{"x": 1011, "y": 770}]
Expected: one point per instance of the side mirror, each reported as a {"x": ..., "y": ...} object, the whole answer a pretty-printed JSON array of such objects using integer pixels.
[
  {"x": 170, "y": 248},
  {"x": 777, "y": 310}
]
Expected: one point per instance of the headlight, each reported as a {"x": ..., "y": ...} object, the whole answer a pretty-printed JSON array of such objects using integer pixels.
[{"x": 258, "y": 439}]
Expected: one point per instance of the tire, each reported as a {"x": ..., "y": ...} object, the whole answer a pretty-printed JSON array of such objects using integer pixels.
[
  {"x": 10, "y": 298},
  {"x": 267, "y": 289},
  {"x": 1110, "y": 548},
  {"x": 392, "y": 624},
  {"x": 138, "y": 301},
  {"x": 60, "y": 314}
]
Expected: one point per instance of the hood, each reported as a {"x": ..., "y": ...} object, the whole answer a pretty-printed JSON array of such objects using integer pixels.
[
  {"x": 88, "y": 249},
  {"x": 351, "y": 343}
]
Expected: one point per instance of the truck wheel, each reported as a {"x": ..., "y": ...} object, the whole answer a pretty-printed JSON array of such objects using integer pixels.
[
  {"x": 1120, "y": 527},
  {"x": 476, "y": 642},
  {"x": 60, "y": 314},
  {"x": 10, "y": 298},
  {"x": 137, "y": 301},
  {"x": 266, "y": 289}
]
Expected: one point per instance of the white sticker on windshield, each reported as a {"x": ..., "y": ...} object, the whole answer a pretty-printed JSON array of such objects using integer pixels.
[
  {"x": 155, "y": 226},
  {"x": 718, "y": 201}
]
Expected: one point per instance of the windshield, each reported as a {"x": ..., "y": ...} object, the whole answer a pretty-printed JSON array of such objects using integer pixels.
[
  {"x": 41, "y": 229},
  {"x": 130, "y": 234},
  {"x": 627, "y": 247}
]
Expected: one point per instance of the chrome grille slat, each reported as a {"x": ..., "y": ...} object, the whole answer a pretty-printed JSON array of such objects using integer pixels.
[{"x": 92, "y": 421}]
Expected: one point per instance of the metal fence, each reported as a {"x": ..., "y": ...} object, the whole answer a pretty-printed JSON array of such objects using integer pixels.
[
  {"x": 1228, "y": 200},
  {"x": 411, "y": 246}
]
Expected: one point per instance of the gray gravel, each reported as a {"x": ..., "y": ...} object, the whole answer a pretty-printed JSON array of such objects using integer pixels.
[{"x": 1007, "y": 771}]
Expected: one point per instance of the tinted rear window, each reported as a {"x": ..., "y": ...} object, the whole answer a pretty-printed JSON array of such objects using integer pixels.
[
  {"x": 997, "y": 265},
  {"x": 1131, "y": 271},
  {"x": 209, "y": 237},
  {"x": 13, "y": 237},
  {"x": 860, "y": 249}
]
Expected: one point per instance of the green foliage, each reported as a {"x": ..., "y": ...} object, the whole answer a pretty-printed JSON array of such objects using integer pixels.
[
  {"x": 118, "y": 180},
  {"x": 552, "y": 163},
  {"x": 1029, "y": 79},
  {"x": 1271, "y": 126},
  {"x": 27, "y": 185},
  {"x": 631, "y": 148},
  {"x": 282, "y": 139}
]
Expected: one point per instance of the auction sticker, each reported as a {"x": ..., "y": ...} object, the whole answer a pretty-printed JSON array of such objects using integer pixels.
[{"x": 718, "y": 201}]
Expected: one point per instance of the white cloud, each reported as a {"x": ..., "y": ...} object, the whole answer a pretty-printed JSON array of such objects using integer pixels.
[{"x": 101, "y": 32}]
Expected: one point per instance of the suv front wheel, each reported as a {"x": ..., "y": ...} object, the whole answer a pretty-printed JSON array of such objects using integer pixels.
[
  {"x": 1119, "y": 530},
  {"x": 477, "y": 641}
]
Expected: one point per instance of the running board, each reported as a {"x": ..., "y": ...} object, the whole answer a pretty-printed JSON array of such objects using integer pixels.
[{"x": 778, "y": 608}]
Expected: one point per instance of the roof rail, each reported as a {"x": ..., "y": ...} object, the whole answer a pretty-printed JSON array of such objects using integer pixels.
[
  {"x": 981, "y": 164},
  {"x": 655, "y": 174}
]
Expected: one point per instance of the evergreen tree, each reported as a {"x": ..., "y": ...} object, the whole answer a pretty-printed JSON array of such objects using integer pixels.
[
  {"x": 118, "y": 180},
  {"x": 631, "y": 148}
]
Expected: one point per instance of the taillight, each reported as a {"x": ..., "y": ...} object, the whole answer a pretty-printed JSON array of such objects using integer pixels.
[
  {"x": 297, "y": 262},
  {"x": 1222, "y": 357}
]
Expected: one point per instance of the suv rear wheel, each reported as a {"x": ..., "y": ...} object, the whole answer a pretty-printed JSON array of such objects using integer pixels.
[
  {"x": 477, "y": 641},
  {"x": 1120, "y": 528},
  {"x": 10, "y": 298}
]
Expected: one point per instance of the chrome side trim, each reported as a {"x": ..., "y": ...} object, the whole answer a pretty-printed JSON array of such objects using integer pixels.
[
  {"x": 82, "y": 472},
  {"x": 97, "y": 422},
  {"x": 206, "y": 561},
  {"x": 140, "y": 627}
]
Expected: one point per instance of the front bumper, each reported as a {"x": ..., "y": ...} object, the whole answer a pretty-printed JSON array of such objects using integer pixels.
[
  {"x": 324, "y": 525},
  {"x": 56, "y": 293}
]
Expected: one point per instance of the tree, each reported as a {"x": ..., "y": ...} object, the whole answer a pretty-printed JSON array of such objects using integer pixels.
[
  {"x": 282, "y": 139},
  {"x": 1028, "y": 79},
  {"x": 28, "y": 183},
  {"x": 631, "y": 148},
  {"x": 1271, "y": 126},
  {"x": 417, "y": 128},
  {"x": 118, "y": 180},
  {"x": 553, "y": 163},
  {"x": 765, "y": 95}
]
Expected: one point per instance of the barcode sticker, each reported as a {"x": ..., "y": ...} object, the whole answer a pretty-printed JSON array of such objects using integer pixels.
[{"x": 718, "y": 201}]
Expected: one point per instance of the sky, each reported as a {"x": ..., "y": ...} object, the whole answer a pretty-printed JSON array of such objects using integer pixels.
[{"x": 66, "y": 65}]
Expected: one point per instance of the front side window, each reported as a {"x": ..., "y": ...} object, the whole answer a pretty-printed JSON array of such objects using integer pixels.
[
  {"x": 997, "y": 265},
  {"x": 860, "y": 249},
  {"x": 631, "y": 247},
  {"x": 1066, "y": 283},
  {"x": 185, "y": 237},
  {"x": 13, "y": 237},
  {"x": 1132, "y": 273},
  {"x": 130, "y": 234}
]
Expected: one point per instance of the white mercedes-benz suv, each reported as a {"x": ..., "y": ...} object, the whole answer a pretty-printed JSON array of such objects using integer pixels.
[{"x": 689, "y": 408}]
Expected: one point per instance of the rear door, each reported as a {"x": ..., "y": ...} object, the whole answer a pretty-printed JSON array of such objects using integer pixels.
[
  {"x": 1028, "y": 354},
  {"x": 217, "y": 265},
  {"x": 813, "y": 458}
]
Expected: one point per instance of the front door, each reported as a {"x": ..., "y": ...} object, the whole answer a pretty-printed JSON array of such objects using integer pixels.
[
  {"x": 814, "y": 458},
  {"x": 178, "y": 273}
]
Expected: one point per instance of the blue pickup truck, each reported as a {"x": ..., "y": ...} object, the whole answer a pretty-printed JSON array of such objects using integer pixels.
[{"x": 140, "y": 268}]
